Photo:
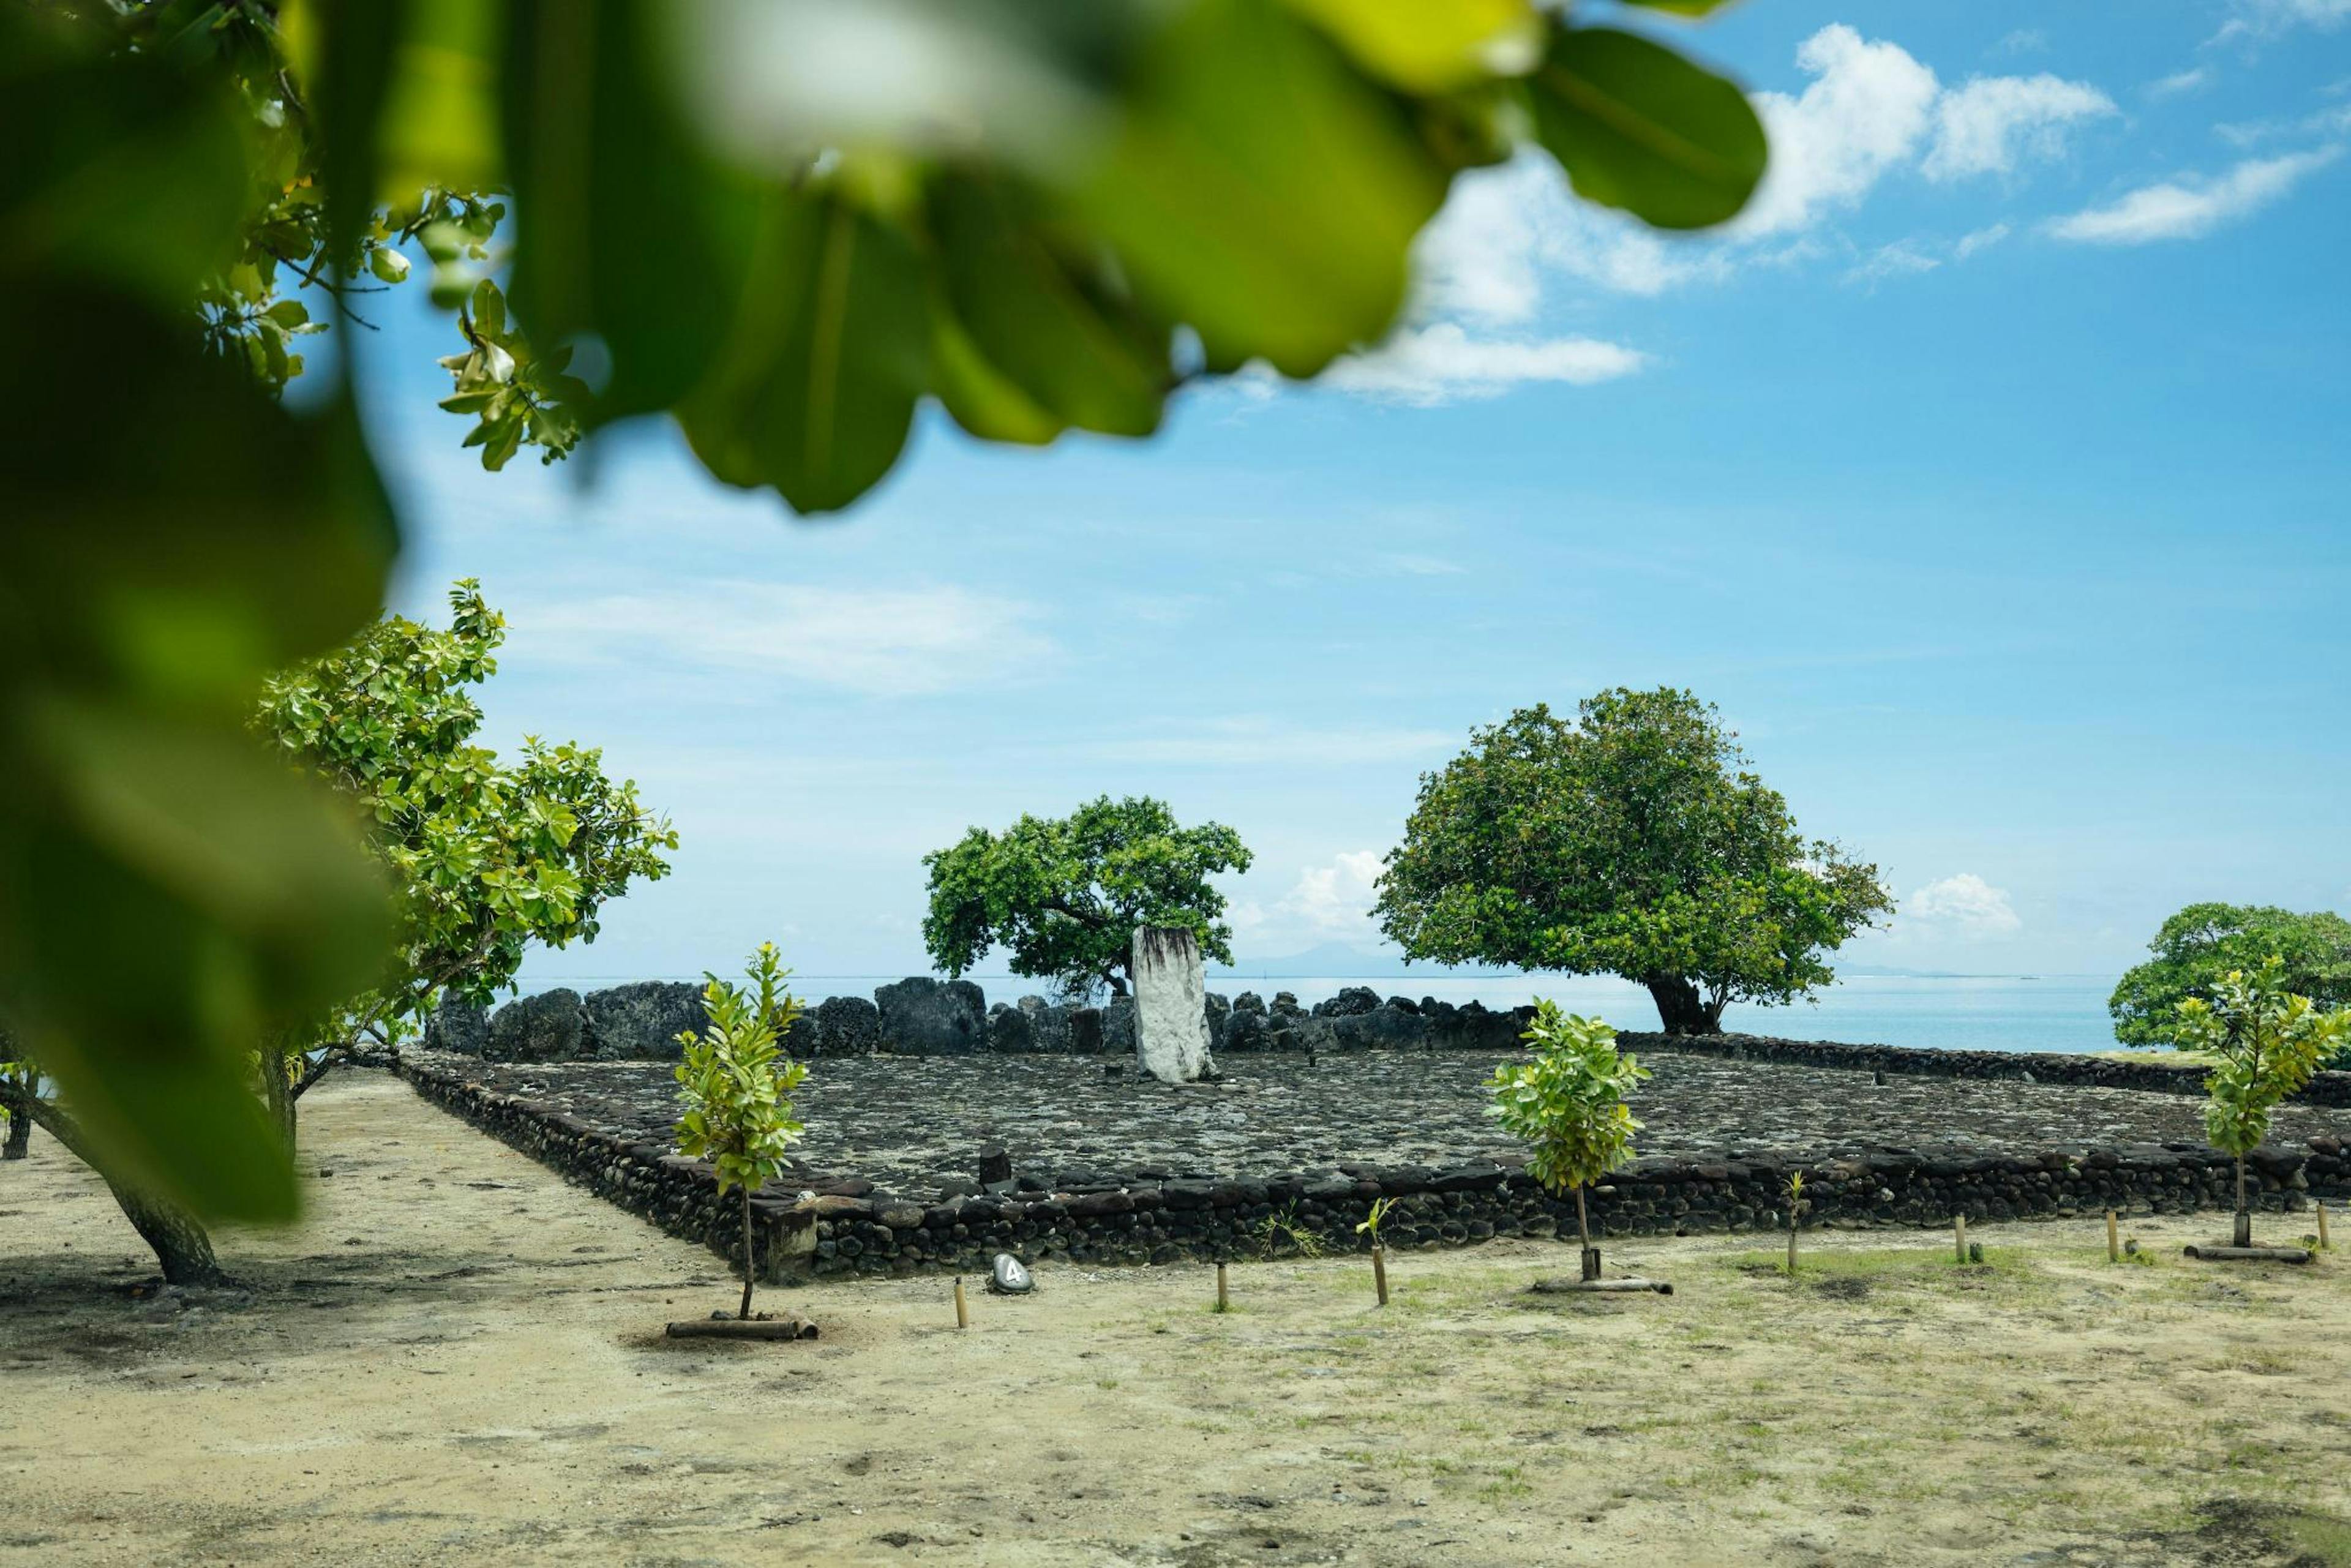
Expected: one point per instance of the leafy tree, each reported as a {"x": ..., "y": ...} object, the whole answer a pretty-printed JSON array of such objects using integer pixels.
[
  {"x": 1064, "y": 896},
  {"x": 2266, "y": 1042},
  {"x": 1100, "y": 202},
  {"x": 2196, "y": 947},
  {"x": 738, "y": 1101},
  {"x": 485, "y": 859},
  {"x": 17, "y": 1082},
  {"x": 1630, "y": 842},
  {"x": 1567, "y": 1105}
]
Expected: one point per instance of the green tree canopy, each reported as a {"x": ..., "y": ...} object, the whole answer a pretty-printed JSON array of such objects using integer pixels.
[
  {"x": 1629, "y": 842},
  {"x": 632, "y": 207},
  {"x": 2205, "y": 942},
  {"x": 485, "y": 857},
  {"x": 1063, "y": 896}
]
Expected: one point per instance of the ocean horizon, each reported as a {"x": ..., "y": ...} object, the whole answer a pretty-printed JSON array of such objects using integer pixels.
[{"x": 2065, "y": 1013}]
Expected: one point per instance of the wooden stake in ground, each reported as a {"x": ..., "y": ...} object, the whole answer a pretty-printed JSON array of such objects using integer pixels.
[
  {"x": 1380, "y": 1273},
  {"x": 1795, "y": 1210},
  {"x": 2113, "y": 1239},
  {"x": 2323, "y": 1246},
  {"x": 1223, "y": 1302},
  {"x": 1959, "y": 1235},
  {"x": 962, "y": 1312}
]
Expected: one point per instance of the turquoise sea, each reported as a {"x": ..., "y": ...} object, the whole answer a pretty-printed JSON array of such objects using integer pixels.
[{"x": 1985, "y": 1012}]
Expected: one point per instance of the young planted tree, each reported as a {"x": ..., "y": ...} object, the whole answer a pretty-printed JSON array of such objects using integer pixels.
[
  {"x": 1628, "y": 841},
  {"x": 17, "y": 1082},
  {"x": 1370, "y": 1225},
  {"x": 2265, "y": 1042},
  {"x": 737, "y": 1089},
  {"x": 2202, "y": 944},
  {"x": 1064, "y": 896},
  {"x": 1567, "y": 1105}
]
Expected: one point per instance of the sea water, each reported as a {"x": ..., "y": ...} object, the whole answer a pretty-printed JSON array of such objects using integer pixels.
[{"x": 1979, "y": 1013}]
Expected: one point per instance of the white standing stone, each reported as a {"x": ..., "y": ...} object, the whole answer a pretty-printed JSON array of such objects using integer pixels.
[{"x": 1171, "y": 1006}]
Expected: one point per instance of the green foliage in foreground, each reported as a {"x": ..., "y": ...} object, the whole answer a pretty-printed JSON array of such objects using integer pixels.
[
  {"x": 739, "y": 1099},
  {"x": 1567, "y": 1105},
  {"x": 485, "y": 857},
  {"x": 2196, "y": 947},
  {"x": 1096, "y": 204},
  {"x": 1629, "y": 842},
  {"x": 1064, "y": 896},
  {"x": 2266, "y": 1042}
]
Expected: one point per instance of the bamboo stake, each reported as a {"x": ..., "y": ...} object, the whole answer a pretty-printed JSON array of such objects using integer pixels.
[
  {"x": 962, "y": 1312},
  {"x": 2113, "y": 1239},
  {"x": 1959, "y": 1235},
  {"x": 1223, "y": 1302},
  {"x": 1380, "y": 1272}
]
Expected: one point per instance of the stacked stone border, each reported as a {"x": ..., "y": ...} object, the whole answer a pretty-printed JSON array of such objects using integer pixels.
[{"x": 847, "y": 1230}]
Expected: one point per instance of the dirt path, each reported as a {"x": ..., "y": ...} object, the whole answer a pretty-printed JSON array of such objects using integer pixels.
[{"x": 458, "y": 1358}]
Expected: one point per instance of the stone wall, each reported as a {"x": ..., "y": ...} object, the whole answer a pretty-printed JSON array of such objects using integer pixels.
[{"x": 845, "y": 1228}]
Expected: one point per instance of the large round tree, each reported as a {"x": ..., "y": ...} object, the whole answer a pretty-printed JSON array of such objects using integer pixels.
[
  {"x": 1063, "y": 895},
  {"x": 2199, "y": 946},
  {"x": 1630, "y": 840}
]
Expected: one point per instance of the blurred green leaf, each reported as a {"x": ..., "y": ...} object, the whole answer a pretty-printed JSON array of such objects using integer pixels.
[
  {"x": 625, "y": 225},
  {"x": 1427, "y": 47},
  {"x": 821, "y": 379},
  {"x": 357, "y": 46},
  {"x": 1692, "y": 8},
  {"x": 126, "y": 171},
  {"x": 1057, "y": 330},
  {"x": 1261, "y": 191},
  {"x": 1640, "y": 128},
  {"x": 977, "y": 395}
]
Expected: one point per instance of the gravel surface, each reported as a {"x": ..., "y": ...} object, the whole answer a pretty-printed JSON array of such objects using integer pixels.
[{"x": 910, "y": 1125}]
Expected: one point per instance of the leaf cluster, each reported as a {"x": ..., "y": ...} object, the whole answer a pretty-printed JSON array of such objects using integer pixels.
[
  {"x": 2196, "y": 947},
  {"x": 736, "y": 1082},
  {"x": 1631, "y": 841},
  {"x": 1064, "y": 896},
  {"x": 2265, "y": 1043},
  {"x": 1567, "y": 1104}
]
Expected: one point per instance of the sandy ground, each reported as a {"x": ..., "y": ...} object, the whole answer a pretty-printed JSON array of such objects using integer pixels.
[{"x": 459, "y": 1358}]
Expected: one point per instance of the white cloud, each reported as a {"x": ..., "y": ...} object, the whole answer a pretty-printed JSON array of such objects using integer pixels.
[
  {"x": 2189, "y": 207},
  {"x": 1442, "y": 363},
  {"x": 1964, "y": 905},
  {"x": 2023, "y": 41},
  {"x": 1992, "y": 123},
  {"x": 887, "y": 643},
  {"x": 1326, "y": 903},
  {"x": 2269, "y": 18},
  {"x": 1864, "y": 115},
  {"x": 1486, "y": 257},
  {"x": 1255, "y": 742},
  {"x": 1975, "y": 240},
  {"x": 1903, "y": 258},
  {"x": 2178, "y": 82}
]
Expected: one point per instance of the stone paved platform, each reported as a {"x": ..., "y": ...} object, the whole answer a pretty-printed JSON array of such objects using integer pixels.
[{"x": 912, "y": 1125}]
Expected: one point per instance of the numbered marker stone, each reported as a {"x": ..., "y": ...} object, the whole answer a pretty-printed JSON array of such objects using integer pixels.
[{"x": 1007, "y": 1277}]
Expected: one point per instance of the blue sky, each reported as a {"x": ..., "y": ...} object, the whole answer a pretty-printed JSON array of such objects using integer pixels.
[{"x": 1990, "y": 475}]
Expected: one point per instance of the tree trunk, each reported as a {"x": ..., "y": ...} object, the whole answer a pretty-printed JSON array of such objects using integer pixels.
[
  {"x": 1583, "y": 1227},
  {"x": 20, "y": 1136},
  {"x": 750, "y": 1261},
  {"x": 2244, "y": 1228},
  {"x": 177, "y": 1237},
  {"x": 1682, "y": 1009},
  {"x": 277, "y": 1094}
]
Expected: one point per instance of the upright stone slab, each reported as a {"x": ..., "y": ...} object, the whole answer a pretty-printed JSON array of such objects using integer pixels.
[{"x": 1171, "y": 1019}]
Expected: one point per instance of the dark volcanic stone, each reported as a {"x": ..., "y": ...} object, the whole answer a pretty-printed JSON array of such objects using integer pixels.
[
  {"x": 458, "y": 1026},
  {"x": 1118, "y": 1027},
  {"x": 845, "y": 1026},
  {"x": 1049, "y": 1025},
  {"x": 550, "y": 1027},
  {"x": 923, "y": 1017},
  {"x": 642, "y": 1022},
  {"x": 1350, "y": 1001},
  {"x": 1007, "y": 1030},
  {"x": 995, "y": 1166}
]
